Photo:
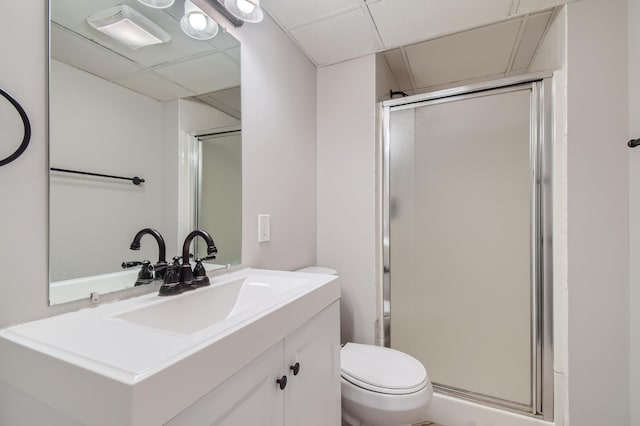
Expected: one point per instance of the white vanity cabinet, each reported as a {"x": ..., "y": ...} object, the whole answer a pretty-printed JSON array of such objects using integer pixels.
[{"x": 309, "y": 358}]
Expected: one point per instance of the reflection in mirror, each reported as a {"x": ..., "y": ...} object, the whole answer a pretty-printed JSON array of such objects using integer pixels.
[
  {"x": 219, "y": 191},
  {"x": 140, "y": 113}
]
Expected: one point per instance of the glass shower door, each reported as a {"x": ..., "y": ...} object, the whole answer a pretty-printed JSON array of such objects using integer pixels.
[{"x": 462, "y": 230}]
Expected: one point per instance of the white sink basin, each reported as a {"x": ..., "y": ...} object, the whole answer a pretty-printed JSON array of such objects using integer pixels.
[{"x": 190, "y": 312}]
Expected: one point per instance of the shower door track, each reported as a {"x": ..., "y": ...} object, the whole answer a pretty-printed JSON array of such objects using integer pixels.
[{"x": 542, "y": 380}]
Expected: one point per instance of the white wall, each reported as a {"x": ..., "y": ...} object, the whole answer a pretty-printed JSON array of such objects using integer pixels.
[
  {"x": 346, "y": 189},
  {"x": 598, "y": 213},
  {"x": 278, "y": 148},
  {"x": 119, "y": 135},
  {"x": 633, "y": 15},
  {"x": 384, "y": 79},
  {"x": 279, "y": 160}
]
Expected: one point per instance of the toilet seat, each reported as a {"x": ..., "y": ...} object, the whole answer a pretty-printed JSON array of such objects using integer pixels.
[{"x": 382, "y": 370}]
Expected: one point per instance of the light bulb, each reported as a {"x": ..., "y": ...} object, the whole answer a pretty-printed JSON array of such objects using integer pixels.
[
  {"x": 197, "y": 21},
  {"x": 245, "y": 6}
]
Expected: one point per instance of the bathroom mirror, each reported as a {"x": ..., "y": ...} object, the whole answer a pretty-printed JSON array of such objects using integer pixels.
[{"x": 139, "y": 118}]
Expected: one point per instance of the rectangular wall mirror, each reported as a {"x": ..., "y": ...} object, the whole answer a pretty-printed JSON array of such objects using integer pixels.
[{"x": 168, "y": 113}]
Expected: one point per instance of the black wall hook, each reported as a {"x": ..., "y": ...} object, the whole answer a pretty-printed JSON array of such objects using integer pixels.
[
  {"x": 633, "y": 143},
  {"x": 27, "y": 129}
]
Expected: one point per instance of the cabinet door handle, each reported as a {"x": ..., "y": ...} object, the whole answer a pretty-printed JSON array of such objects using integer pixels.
[
  {"x": 295, "y": 368},
  {"x": 282, "y": 382}
]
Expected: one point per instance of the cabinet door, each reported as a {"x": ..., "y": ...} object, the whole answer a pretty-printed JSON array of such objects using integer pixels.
[
  {"x": 312, "y": 397},
  {"x": 249, "y": 397}
]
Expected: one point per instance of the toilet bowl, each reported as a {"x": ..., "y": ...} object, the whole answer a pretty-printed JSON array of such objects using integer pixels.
[{"x": 380, "y": 386}]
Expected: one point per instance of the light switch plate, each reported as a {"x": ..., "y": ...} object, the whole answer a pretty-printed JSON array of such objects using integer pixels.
[{"x": 264, "y": 228}]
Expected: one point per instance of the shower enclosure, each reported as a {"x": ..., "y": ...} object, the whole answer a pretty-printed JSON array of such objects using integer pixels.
[{"x": 467, "y": 240}]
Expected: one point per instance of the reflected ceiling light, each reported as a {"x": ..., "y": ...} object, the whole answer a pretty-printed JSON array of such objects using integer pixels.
[
  {"x": 128, "y": 27},
  {"x": 247, "y": 10},
  {"x": 158, "y": 4},
  {"x": 197, "y": 24}
]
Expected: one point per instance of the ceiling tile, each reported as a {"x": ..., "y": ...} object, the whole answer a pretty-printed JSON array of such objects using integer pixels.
[
  {"x": 339, "y": 38},
  {"x": 291, "y": 14},
  {"x": 154, "y": 86},
  {"x": 531, "y": 37},
  {"x": 408, "y": 21},
  {"x": 74, "y": 50},
  {"x": 205, "y": 74},
  {"x": 399, "y": 69},
  {"x": 481, "y": 52}
]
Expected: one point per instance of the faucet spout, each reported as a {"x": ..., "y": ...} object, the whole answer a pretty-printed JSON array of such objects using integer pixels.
[
  {"x": 186, "y": 274},
  {"x": 161, "y": 266},
  {"x": 162, "y": 248},
  {"x": 211, "y": 246}
]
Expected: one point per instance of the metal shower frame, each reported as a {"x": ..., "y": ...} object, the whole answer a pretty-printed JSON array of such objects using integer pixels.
[{"x": 541, "y": 271}]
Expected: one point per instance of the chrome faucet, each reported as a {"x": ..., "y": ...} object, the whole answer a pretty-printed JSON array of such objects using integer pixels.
[{"x": 160, "y": 268}]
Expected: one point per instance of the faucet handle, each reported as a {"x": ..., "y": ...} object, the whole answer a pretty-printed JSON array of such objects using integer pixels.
[
  {"x": 177, "y": 259},
  {"x": 132, "y": 264},
  {"x": 210, "y": 257},
  {"x": 145, "y": 276}
]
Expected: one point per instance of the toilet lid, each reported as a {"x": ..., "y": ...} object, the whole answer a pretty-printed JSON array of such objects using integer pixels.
[{"x": 382, "y": 370}]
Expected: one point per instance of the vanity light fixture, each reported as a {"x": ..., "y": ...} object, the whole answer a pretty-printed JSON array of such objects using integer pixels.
[
  {"x": 158, "y": 4},
  {"x": 197, "y": 24},
  {"x": 128, "y": 26},
  {"x": 246, "y": 10}
]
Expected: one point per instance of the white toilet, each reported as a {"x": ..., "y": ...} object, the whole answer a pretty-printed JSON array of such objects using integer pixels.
[{"x": 380, "y": 386}]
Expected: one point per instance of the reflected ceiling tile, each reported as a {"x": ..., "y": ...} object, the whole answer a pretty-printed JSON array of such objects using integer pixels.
[
  {"x": 408, "y": 21},
  {"x": 204, "y": 74},
  {"x": 72, "y": 14},
  {"x": 227, "y": 101},
  {"x": 477, "y": 53},
  {"x": 74, "y": 50},
  {"x": 531, "y": 38},
  {"x": 399, "y": 69},
  {"x": 154, "y": 86},
  {"x": 224, "y": 41},
  {"x": 527, "y": 6},
  {"x": 235, "y": 54},
  {"x": 294, "y": 13},
  {"x": 341, "y": 37}
]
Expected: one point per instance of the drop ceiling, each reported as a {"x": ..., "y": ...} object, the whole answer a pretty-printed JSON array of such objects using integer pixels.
[{"x": 427, "y": 44}]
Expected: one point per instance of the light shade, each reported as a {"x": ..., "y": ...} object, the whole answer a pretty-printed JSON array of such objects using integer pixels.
[
  {"x": 247, "y": 10},
  {"x": 197, "y": 24},
  {"x": 157, "y": 4},
  {"x": 128, "y": 27}
]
